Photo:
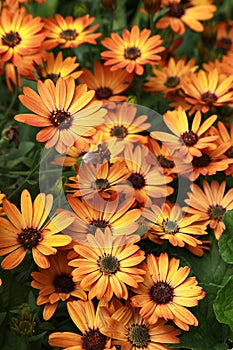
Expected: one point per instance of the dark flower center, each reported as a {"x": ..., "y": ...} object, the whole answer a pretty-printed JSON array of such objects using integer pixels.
[
  {"x": 69, "y": 34},
  {"x": 103, "y": 93},
  {"x": 29, "y": 237},
  {"x": 119, "y": 131},
  {"x": 108, "y": 264},
  {"x": 100, "y": 184},
  {"x": 98, "y": 223},
  {"x": 139, "y": 336},
  {"x": 94, "y": 340},
  {"x": 63, "y": 283},
  {"x": 172, "y": 81},
  {"x": 170, "y": 227},
  {"x": 216, "y": 212},
  {"x": 11, "y": 39},
  {"x": 165, "y": 163},
  {"x": 208, "y": 97},
  {"x": 162, "y": 292},
  {"x": 137, "y": 180},
  {"x": 131, "y": 53},
  {"x": 226, "y": 42},
  {"x": 200, "y": 162},
  {"x": 229, "y": 152},
  {"x": 189, "y": 138},
  {"x": 53, "y": 77},
  {"x": 176, "y": 10},
  {"x": 61, "y": 119}
]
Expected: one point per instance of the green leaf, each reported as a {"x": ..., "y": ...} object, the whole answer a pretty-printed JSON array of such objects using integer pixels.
[
  {"x": 226, "y": 240},
  {"x": 223, "y": 304}
]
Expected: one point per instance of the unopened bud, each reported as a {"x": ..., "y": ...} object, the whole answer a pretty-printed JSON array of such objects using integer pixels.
[{"x": 12, "y": 135}]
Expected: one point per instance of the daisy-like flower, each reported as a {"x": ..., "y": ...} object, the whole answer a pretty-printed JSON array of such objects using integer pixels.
[
  {"x": 116, "y": 214},
  {"x": 89, "y": 322},
  {"x": 170, "y": 223},
  {"x": 190, "y": 140},
  {"x": 16, "y": 39},
  {"x": 2, "y": 196},
  {"x": 133, "y": 50},
  {"x": 166, "y": 292},
  {"x": 69, "y": 32},
  {"x": 224, "y": 36},
  {"x": 108, "y": 85},
  {"x": 181, "y": 15},
  {"x": 168, "y": 78},
  {"x": 210, "y": 203},
  {"x": 102, "y": 179},
  {"x": 205, "y": 90},
  {"x": 227, "y": 137},
  {"x": 25, "y": 230},
  {"x": 108, "y": 264},
  {"x": 122, "y": 126},
  {"x": 53, "y": 68},
  {"x": 64, "y": 111},
  {"x": 136, "y": 333},
  {"x": 56, "y": 284}
]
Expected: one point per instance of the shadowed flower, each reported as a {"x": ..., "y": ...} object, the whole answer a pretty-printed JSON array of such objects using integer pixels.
[
  {"x": 166, "y": 292},
  {"x": 64, "y": 111},
  {"x": 210, "y": 204},
  {"x": 133, "y": 50},
  {"x": 69, "y": 31},
  {"x": 225, "y": 35},
  {"x": 24, "y": 231},
  {"x": 56, "y": 284},
  {"x": 16, "y": 40},
  {"x": 108, "y": 264},
  {"x": 89, "y": 322}
]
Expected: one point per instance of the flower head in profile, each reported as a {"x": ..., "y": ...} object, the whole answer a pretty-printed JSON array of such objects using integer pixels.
[
  {"x": 133, "y": 50},
  {"x": 26, "y": 231},
  {"x": 167, "y": 291},
  {"x": 64, "y": 111},
  {"x": 107, "y": 264},
  {"x": 56, "y": 284},
  {"x": 89, "y": 322},
  {"x": 16, "y": 39},
  {"x": 210, "y": 204},
  {"x": 69, "y": 32},
  {"x": 108, "y": 85}
]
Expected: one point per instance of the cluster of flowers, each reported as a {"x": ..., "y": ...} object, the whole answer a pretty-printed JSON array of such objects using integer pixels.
[{"x": 124, "y": 170}]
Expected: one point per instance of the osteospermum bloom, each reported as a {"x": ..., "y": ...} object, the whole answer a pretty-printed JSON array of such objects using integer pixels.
[
  {"x": 210, "y": 203},
  {"x": 64, "y": 111},
  {"x": 133, "y": 50},
  {"x": 136, "y": 333},
  {"x": 181, "y": 16},
  {"x": 16, "y": 39},
  {"x": 224, "y": 35},
  {"x": 56, "y": 284},
  {"x": 188, "y": 139},
  {"x": 53, "y": 68},
  {"x": 108, "y": 85},
  {"x": 166, "y": 292},
  {"x": 89, "y": 322},
  {"x": 227, "y": 137},
  {"x": 25, "y": 231},
  {"x": 69, "y": 31},
  {"x": 108, "y": 264},
  {"x": 170, "y": 223}
]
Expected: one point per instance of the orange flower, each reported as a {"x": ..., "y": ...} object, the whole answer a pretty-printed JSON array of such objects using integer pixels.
[
  {"x": 181, "y": 16},
  {"x": 108, "y": 264},
  {"x": 133, "y": 50},
  {"x": 24, "y": 231},
  {"x": 227, "y": 137},
  {"x": 166, "y": 292},
  {"x": 107, "y": 84},
  {"x": 56, "y": 284},
  {"x": 89, "y": 322},
  {"x": 135, "y": 333},
  {"x": 65, "y": 112},
  {"x": 187, "y": 140},
  {"x": 210, "y": 204},
  {"x": 16, "y": 39},
  {"x": 170, "y": 223},
  {"x": 54, "y": 68},
  {"x": 225, "y": 35},
  {"x": 69, "y": 31}
]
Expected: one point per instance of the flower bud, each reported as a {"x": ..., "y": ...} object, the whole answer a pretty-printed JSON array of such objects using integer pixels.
[{"x": 152, "y": 6}]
